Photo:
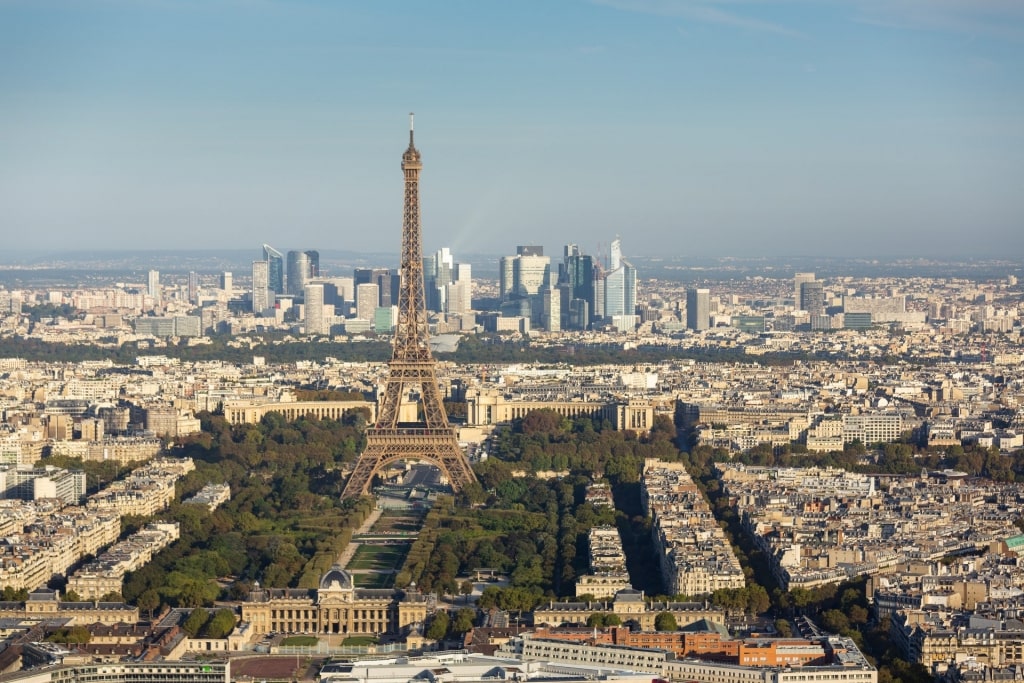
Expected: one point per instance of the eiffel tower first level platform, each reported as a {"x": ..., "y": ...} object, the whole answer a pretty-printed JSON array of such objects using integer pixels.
[{"x": 411, "y": 370}]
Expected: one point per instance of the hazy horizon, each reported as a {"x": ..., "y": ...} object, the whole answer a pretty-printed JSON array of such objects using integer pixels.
[{"x": 690, "y": 128}]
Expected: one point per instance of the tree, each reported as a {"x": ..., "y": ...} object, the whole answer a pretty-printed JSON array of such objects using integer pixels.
[
  {"x": 148, "y": 601},
  {"x": 464, "y": 619},
  {"x": 72, "y": 596},
  {"x": 466, "y": 588},
  {"x": 835, "y": 621},
  {"x": 222, "y": 623},
  {"x": 665, "y": 621},
  {"x": 858, "y": 614},
  {"x": 602, "y": 619},
  {"x": 194, "y": 622},
  {"x": 438, "y": 626},
  {"x": 76, "y": 635}
]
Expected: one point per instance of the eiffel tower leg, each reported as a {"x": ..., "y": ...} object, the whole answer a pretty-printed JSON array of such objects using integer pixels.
[
  {"x": 383, "y": 446},
  {"x": 359, "y": 481}
]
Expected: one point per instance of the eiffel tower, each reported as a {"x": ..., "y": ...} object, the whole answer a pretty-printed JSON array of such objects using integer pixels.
[{"x": 431, "y": 439}]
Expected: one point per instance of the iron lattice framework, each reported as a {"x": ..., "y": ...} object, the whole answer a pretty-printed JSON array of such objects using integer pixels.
[{"x": 431, "y": 438}]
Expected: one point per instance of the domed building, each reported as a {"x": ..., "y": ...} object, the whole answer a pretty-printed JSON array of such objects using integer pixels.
[{"x": 336, "y": 606}]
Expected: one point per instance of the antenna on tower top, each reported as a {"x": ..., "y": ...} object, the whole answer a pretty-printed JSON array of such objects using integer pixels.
[{"x": 412, "y": 116}]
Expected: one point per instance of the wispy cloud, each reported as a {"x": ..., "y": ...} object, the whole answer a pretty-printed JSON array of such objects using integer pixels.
[
  {"x": 720, "y": 12},
  {"x": 1000, "y": 18},
  {"x": 980, "y": 18}
]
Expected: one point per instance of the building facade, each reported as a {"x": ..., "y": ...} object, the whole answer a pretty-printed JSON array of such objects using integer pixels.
[{"x": 335, "y": 607}]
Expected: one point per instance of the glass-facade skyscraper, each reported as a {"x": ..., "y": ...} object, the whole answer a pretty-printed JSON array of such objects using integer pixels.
[
  {"x": 619, "y": 284},
  {"x": 275, "y": 268},
  {"x": 303, "y": 266}
]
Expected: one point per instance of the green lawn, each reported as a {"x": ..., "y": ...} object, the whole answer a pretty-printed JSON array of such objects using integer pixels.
[
  {"x": 403, "y": 522},
  {"x": 369, "y": 556},
  {"x": 373, "y": 580},
  {"x": 303, "y": 641},
  {"x": 360, "y": 640}
]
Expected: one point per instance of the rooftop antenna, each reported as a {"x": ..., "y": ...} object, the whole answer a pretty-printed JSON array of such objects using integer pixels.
[{"x": 412, "y": 116}]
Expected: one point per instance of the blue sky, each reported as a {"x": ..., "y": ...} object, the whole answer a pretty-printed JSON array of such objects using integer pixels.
[{"x": 704, "y": 127}]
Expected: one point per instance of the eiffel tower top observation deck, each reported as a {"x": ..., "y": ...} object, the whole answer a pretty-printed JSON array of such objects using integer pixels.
[{"x": 430, "y": 438}]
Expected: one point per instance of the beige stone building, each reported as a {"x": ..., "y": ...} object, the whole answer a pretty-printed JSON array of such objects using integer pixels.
[
  {"x": 45, "y": 604},
  {"x": 628, "y": 605},
  {"x": 335, "y": 607}
]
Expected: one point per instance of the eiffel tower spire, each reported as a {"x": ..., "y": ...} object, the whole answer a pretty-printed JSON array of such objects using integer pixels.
[{"x": 430, "y": 438}]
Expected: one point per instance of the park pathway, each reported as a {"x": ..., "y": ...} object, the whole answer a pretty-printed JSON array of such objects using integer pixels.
[{"x": 353, "y": 545}]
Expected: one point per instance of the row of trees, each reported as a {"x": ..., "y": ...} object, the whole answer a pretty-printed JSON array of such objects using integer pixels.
[
  {"x": 285, "y": 524},
  {"x": 534, "y": 530}
]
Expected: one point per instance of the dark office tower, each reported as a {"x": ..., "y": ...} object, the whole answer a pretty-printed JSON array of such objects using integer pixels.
[
  {"x": 698, "y": 309},
  {"x": 275, "y": 268},
  {"x": 431, "y": 292},
  {"x": 579, "y": 314},
  {"x": 193, "y": 287},
  {"x": 599, "y": 287},
  {"x": 314, "y": 262},
  {"x": 812, "y": 297},
  {"x": 579, "y": 276},
  {"x": 506, "y": 279}
]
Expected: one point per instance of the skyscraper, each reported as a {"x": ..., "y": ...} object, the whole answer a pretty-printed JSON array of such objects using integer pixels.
[
  {"x": 367, "y": 297},
  {"x": 577, "y": 274},
  {"x": 261, "y": 293},
  {"x": 298, "y": 273},
  {"x": 619, "y": 284},
  {"x": 226, "y": 281},
  {"x": 698, "y": 309},
  {"x": 316, "y": 322},
  {"x": 387, "y": 283},
  {"x": 799, "y": 279},
  {"x": 153, "y": 285},
  {"x": 531, "y": 271},
  {"x": 193, "y": 287},
  {"x": 303, "y": 266},
  {"x": 438, "y": 271},
  {"x": 457, "y": 298},
  {"x": 505, "y": 276},
  {"x": 275, "y": 268},
  {"x": 552, "y": 309},
  {"x": 812, "y": 297}
]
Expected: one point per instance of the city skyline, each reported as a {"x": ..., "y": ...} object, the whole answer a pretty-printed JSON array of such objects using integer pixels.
[{"x": 692, "y": 127}]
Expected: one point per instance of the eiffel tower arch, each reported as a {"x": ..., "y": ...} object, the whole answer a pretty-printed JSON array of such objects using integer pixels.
[{"x": 412, "y": 368}]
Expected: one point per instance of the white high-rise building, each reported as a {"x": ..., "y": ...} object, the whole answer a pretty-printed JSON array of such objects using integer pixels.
[
  {"x": 463, "y": 277},
  {"x": 620, "y": 284},
  {"x": 316, "y": 321},
  {"x": 260, "y": 286},
  {"x": 552, "y": 316},
  {"x": 153, "y": 285},
  {"x": 367, "y": 298},
  {"x": 458, "y": 297}
]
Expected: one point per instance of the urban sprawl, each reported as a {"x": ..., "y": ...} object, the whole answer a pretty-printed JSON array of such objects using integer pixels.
[{"x": 858, "y": 431}]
